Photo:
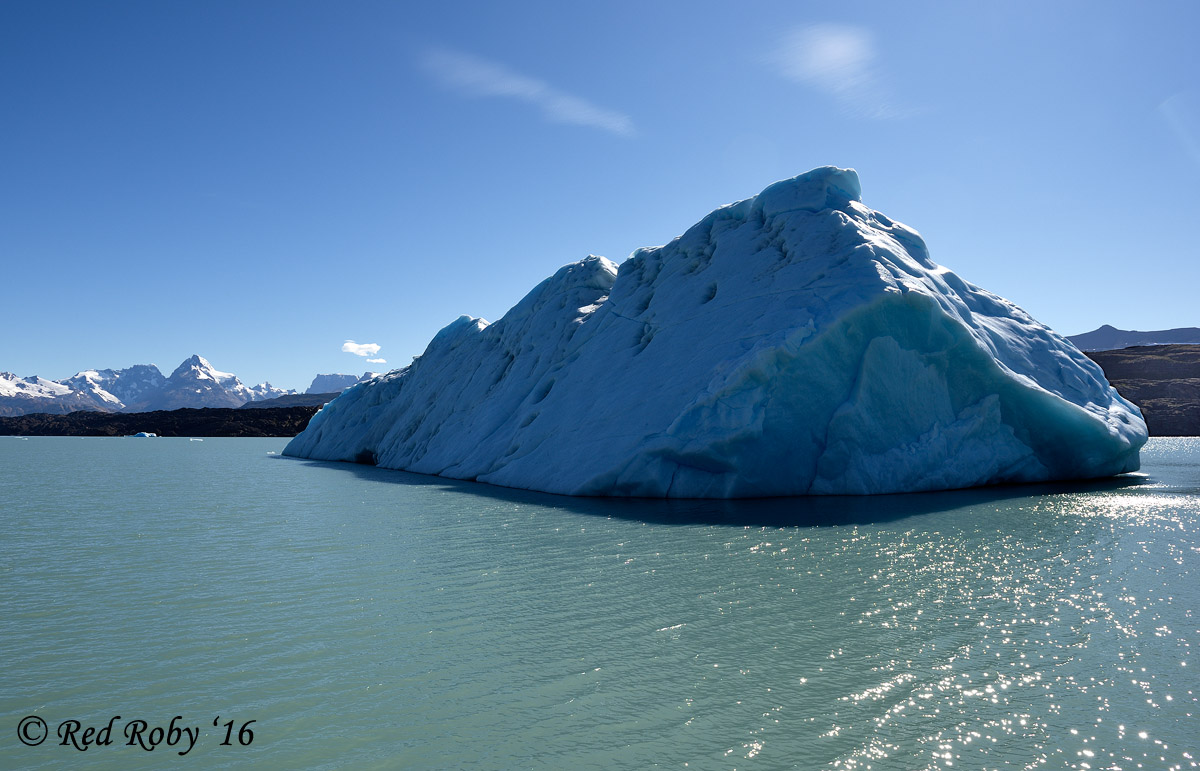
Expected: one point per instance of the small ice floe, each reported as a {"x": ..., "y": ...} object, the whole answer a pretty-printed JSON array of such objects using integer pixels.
[
  {"x": 194, "y": 439},
  {"x": 144, "y": 434},
  {"x": 271, "y": 452}
]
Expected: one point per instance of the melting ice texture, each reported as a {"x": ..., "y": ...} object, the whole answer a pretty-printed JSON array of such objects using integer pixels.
[{"x": 793, "y": 343}]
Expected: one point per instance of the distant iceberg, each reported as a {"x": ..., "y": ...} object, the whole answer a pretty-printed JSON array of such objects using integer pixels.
[{"x": 793, "y": 343}]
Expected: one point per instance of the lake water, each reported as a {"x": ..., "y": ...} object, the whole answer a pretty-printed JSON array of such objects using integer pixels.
[{"x": 372, "y": 618}]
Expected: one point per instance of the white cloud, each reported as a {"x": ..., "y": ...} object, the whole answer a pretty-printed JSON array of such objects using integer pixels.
[
  {"x": 474, "y": 76},
  {"x": 376, "y": 361},
  {"x": 839, "y": 60},
  {"x": 360, "y": 349}
]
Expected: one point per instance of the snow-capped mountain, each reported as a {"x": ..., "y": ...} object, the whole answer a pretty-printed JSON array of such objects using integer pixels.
[
  {"x": 329, "y": 384},
  {"x": 793, "y": 343},
  {"x": 118, "y": 388},
  {"x": 30, "y": 387},
  {"x": 197, "y": 383},
  {"x": 19, "y": 396},
  {"x": 140, "y": 388},
  {"x": 337, "y": 382}
]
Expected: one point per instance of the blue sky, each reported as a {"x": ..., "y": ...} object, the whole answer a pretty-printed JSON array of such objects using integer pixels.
[{"x": 262, "y": 182}]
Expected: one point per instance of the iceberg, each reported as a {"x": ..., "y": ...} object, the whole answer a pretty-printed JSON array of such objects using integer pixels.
[{"x": 793, "y": 343}]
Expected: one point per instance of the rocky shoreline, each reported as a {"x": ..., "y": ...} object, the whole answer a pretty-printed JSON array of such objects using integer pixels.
[{"x": 201, "y": 422}]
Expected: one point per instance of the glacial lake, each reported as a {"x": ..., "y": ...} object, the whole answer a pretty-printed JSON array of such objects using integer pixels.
[{"x": 375, "y": 619}]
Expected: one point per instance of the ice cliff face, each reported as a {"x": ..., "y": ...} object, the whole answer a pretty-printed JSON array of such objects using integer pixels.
[{"x": 796, "y": 342}]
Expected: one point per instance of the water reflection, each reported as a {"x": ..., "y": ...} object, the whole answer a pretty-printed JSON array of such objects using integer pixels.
[{"x": 810, "y": 511}]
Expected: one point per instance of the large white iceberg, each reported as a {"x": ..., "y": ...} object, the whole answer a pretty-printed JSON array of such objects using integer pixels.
[{"x": 793, "y": 343}]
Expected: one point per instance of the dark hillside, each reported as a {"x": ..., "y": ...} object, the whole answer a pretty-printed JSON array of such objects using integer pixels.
[
  {"x": 209, "y": 421},
  {"x": 1164, "y": 380}
]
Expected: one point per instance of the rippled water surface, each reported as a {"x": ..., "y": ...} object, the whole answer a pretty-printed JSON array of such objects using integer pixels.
[{"x": 372, "y": 618}]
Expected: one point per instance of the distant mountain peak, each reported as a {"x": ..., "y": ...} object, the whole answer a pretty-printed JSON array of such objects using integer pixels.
[{"x": 1109, "y": 338}]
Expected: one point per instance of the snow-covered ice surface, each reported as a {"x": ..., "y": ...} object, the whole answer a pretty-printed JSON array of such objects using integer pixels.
[{"x": 793, "y": 343}]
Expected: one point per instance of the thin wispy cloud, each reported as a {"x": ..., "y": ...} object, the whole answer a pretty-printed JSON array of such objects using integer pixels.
[
  {"x": 475, "y": 77},
  {"x": 1181, "y": 112},
  {"x": 840, "y": 61},
  {"x": 360, "y": 349},
  {"x": 376, "y": 361}
]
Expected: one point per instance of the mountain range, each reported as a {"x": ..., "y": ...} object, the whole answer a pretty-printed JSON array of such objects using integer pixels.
[
  {"x": 140, "y": 388},
  {"x": 1108, "y": 338},
  {"x": 143, "y": 388}
]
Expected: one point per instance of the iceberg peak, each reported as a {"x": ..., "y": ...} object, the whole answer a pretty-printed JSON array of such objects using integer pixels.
[{"x": 827, "y": 187}]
